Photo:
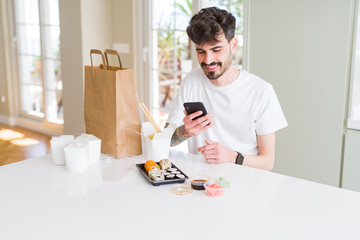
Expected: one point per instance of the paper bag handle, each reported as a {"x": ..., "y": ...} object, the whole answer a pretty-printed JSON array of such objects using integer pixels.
[
  {"x": 114, "y": 52},
  {"x": 97, "y": 52}
]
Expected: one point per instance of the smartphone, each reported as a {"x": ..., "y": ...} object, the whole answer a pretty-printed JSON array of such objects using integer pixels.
[{"x": 191, "y": 107}]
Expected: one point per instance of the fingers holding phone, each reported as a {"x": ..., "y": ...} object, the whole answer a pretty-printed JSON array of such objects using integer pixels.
[
  {"x": 194, "y": 127},
  {"x": 197, "y": 120}
]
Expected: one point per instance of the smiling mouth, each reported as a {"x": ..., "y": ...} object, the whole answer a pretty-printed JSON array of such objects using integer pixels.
[{"x": 211, "y": 67}]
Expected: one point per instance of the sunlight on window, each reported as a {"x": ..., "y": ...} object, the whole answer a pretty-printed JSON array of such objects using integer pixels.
[
  {"x": 24, "y": 142},
  {"x": 7, "y": 134}
]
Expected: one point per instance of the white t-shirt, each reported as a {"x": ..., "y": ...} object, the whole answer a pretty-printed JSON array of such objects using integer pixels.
[{"x": 241, "y": 110}]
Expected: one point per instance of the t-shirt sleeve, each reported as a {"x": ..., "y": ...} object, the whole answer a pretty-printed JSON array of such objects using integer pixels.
[{"x": 269, "y": 116}]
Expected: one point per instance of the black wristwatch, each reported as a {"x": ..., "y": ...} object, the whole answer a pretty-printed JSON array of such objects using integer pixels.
[{"x": 239, "y": 159}]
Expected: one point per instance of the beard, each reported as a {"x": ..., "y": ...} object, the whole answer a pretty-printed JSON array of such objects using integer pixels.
[{"x": 213, "y": 75}]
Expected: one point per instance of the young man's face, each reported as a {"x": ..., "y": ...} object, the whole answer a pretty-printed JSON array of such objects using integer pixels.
[{"x": 216, "y": 59}]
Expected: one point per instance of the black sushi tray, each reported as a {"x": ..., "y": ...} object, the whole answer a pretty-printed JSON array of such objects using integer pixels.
[{"x": 141, "y": 167}]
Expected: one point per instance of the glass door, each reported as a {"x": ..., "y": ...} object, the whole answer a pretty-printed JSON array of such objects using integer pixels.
[
  {"x": 170, "y": 51},
  {"x": 39, "y": 67}
]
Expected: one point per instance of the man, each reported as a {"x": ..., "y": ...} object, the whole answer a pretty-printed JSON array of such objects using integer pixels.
[{"x": 244, "y": 112}]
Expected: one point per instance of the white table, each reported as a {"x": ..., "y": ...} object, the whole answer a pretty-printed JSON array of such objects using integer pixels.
[{"x": 39, "y": 200}]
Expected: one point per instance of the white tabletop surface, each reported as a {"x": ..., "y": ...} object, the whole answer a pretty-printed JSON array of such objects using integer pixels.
[{"x": 113, "y": 200}]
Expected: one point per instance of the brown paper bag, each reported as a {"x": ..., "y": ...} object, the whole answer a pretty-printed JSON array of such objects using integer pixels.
[{"x": 110, "y": 107}]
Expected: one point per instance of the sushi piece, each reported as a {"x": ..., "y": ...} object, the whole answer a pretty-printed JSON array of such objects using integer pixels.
[
  {"x": 158, "y": 178},
  {"x": 156, "y": 175},
  {"x": 148, "y": 163},
  {"x": 170, "y": 176},
  {"x": 181, "y": 176},
  {"x": 151, "y": 165},
  {"x": 165, "y": 164}
]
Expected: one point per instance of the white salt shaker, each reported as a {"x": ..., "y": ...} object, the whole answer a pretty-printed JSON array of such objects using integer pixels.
[
  {"x": 57, "y": 148},
  {"x": 77, "y": 156},
  {"x": 95, "y": 146}
]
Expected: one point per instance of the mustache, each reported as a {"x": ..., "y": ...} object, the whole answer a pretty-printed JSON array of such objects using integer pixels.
[{"x": 213, "y": 63}]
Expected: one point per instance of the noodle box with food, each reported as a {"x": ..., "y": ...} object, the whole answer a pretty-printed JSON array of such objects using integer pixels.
[{"x": 156, "y": 146}]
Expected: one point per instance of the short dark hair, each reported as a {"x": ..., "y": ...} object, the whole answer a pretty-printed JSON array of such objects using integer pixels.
[{"x": 207, "y": 25}]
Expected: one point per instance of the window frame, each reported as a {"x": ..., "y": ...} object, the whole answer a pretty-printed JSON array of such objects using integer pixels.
[
  {"x": 23, "y": 117},
  {"x": 154, "y": 90},
  {"x": 352, "y": 122}
]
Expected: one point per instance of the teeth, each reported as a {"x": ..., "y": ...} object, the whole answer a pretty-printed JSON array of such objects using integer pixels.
[{"x": 212, "y": 67}]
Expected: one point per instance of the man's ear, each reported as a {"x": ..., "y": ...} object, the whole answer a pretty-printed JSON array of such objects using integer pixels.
[{"x": 233, "y": 44}]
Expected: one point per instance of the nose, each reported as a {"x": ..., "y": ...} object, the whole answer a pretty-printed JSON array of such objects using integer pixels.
[{"x": 209, "y": 58}]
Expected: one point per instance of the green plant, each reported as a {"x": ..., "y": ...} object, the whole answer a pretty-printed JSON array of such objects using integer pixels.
[{"x": 187, "y": 9}]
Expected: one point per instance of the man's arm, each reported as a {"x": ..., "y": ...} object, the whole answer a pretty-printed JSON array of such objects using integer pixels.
[
  {"x": 179, "y": 136},
  {"x": 266, "y": 157},
  {"x": 214, "y": 152}
]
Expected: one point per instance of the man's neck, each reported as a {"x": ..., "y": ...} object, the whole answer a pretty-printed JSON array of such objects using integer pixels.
[{"x": 227, "y": 78}]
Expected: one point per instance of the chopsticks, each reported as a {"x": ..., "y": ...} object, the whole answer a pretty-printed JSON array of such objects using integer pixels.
[{"x": 148, "y": 115}]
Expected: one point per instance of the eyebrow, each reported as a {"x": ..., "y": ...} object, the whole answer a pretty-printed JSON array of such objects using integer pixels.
[{"x": 215, "y": 47}]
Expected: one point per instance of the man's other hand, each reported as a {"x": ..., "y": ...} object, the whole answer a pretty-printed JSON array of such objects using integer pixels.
[{"x": 214, "y": 152}]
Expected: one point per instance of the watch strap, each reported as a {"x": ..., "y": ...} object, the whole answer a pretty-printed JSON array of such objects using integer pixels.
[{"x": 239, "y": 159}]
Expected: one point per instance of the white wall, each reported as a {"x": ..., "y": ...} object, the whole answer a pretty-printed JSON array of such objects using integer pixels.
[
  {"x": 123, "y": 29},
  {"x": 303, "y": 49},
  {"x": 84, "y": 24},
  {"x": 96, "y": 27},
  {"x": 71, "y": 64},
  {"x": 351, "y": 168}
]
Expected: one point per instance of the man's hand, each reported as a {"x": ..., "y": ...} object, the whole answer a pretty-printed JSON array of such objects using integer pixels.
[
  {"x": 197, "y": 126},
  {"x": 191, "y": 127},
  {"x": 214, "y": 152}
]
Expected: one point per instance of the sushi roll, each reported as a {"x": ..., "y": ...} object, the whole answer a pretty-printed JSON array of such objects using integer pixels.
[
  {"x": 171, "y": 169},
  {"x": 156, "y": 175},
  {"x": 158, "y": 178},
  {"x": 165, "y": 164},
  {"x": 181, "y": 176},
  {"x": 176, "y": 172},
  {"x": 151, "y": 165},
  {"x": 170, "y": 176}
]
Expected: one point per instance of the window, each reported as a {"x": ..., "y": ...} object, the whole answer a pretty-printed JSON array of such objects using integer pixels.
[
  {"x": 39, "y": 70},
  {"x": 171, "y": 51},
  {"x": 354, "y": 106}
]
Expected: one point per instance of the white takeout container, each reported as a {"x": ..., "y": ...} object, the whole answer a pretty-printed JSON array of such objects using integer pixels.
[
  {"x": 77, "y": 156},
  {"x": 94, "y": 148},
  {"x": 57, "y": 148},
  {"x": 159, "y": 147}
]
